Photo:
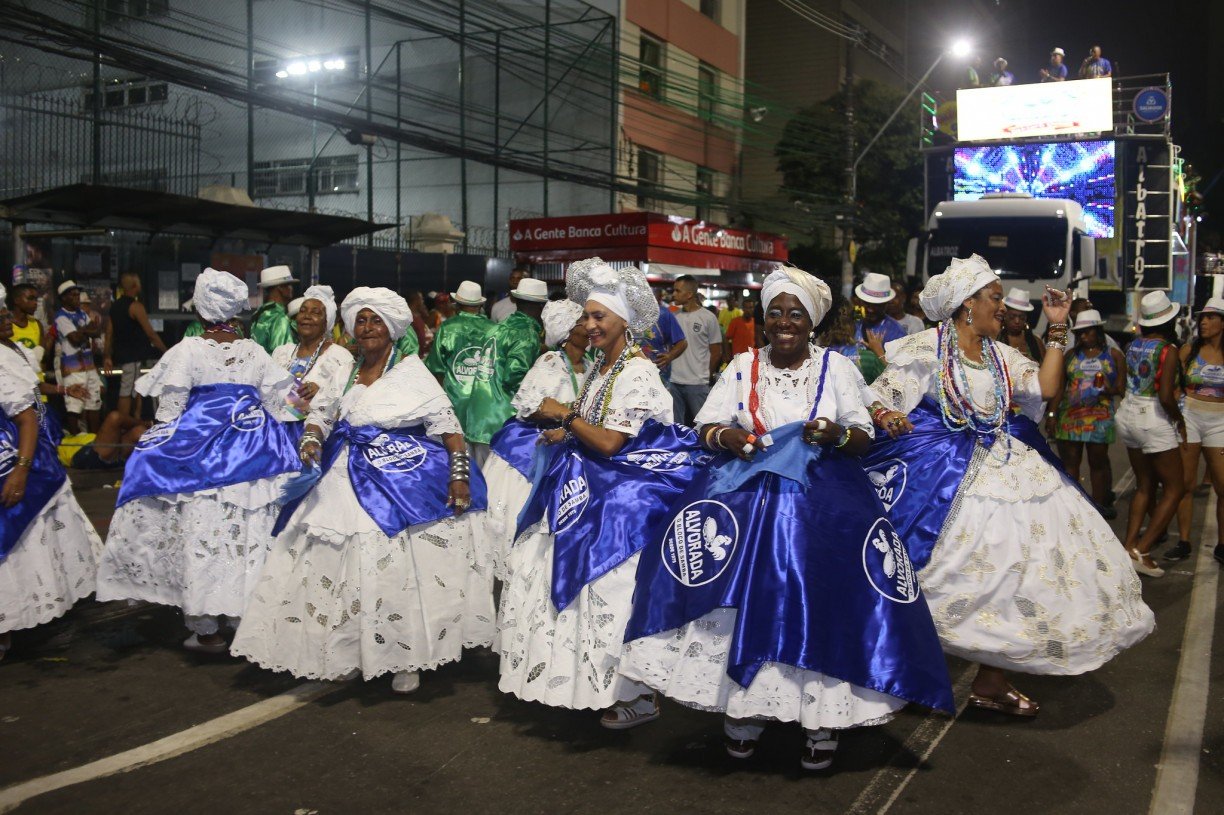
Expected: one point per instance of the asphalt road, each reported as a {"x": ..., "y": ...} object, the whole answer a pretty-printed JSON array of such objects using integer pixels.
[{"x": 102, "y": 711}]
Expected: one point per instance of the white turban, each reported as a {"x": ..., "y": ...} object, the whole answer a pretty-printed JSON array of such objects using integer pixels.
[
  {"x": 219, "y": 296},
  {"x": 295, "y": 305},
  {"x": 327, "y": 297},
  {"x": 812, "y": 292},
  {"x": 944, "y": 293},
  {"x": 389, "y": 306},
  {"x": 559, "y": 317},
  {"x": 624, "y": 291}
]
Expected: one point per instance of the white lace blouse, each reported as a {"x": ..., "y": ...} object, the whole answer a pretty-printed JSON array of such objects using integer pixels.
[
  {"x": 331, "y": 373},
  {"x": 199, "y": 361},
  {"x": 788, "y": 395},
  {"x": 405, "y": 396},
  {"x": 913, "y": 372},
  {"x": 550, "y": 377},
  {"x": 17, "y": 380},
  {"x": 637, "y": 395}
]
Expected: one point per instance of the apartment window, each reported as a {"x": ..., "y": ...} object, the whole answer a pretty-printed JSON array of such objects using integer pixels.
[
  {"x": 334, "y": 175},
  {"x": 649, "y": 173},
  {"x": 707, "y": 91},
  {"x": 128, "y": 94},
  {"x": 705, "y": 192},
  {"x": 712, "y": 9},
  {"x": 121, "y": 11},
  {"x": 650, "y": 67}
]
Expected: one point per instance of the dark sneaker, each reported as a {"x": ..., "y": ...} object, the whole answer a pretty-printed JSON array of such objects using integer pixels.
[{"x": 1178, "y": 551}]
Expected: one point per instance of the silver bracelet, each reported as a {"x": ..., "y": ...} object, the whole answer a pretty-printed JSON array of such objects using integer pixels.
[{"x": 307, "y": 438}]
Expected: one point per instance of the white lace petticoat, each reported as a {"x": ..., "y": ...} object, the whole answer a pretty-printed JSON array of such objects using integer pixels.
[
  {"x": 508, "y": 492},
  {"x": 51, "y": 567}
]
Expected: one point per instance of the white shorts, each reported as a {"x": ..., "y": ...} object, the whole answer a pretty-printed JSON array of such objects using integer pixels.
[
  {"x": 1204, "y": 422},
  {"x": 92, "y": 383},
  {"x": 1143, "y": 425}
]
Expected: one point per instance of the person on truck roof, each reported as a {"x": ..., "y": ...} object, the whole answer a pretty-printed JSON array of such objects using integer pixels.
[{"x": 1056, "y": 71}]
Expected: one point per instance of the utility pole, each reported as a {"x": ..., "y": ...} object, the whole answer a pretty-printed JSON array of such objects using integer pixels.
[{"x": 847, "y": 219}]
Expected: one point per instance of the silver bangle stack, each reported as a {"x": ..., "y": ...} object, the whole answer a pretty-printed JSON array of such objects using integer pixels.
[
  {"x": 460, "y": 466},
  {"x": 308, "y": 437}
]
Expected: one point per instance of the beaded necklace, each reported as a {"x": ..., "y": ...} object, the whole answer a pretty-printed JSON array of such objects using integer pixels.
[
  {"x": 392, "y": 358},
  {"x": 221, "y": 328},
  {"x": 598, "y": 411},
  {"x": 569, "y": 366},
  {"x": 310, "y": 363},
  {"x": 957, "y": 407}
]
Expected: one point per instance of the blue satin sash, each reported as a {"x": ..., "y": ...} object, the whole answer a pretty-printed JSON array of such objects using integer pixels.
[
  {"x": 44, "y": 478},
  {"x": 918, "y": 475},
  {"x": 401, "y": 477},
  {"x": 516, "y": 443},
  {"x": 600, "y": 510},
  {"x": 819, "y": 578},
  {"x": 224, "y": 436}
]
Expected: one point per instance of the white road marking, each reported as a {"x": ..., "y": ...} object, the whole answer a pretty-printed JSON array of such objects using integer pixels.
[
  {"x": 890, "y": 781},
  {"x": 1178, "y": 770},
  {"x": 193, "y": 738}
]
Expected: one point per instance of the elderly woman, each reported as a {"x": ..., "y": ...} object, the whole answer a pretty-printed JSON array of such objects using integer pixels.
[
  {"x": 771, "y": 543},
  {"x": 369, "y": 569},
  {"x": 617, "y": 465},
  {"x": 47, "y": 545},
  {"x": 555, "y": 375},
  {"x": 320, "y": 367},
  {"x": 1019, "y": 569},
  {"x": 199, "y": 497}
]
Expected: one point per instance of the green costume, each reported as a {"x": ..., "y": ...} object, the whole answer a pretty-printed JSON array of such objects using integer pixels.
[
  {"x": 194, "y": 329},
  {"x": 408, "y": 345},
  {"x": 271, "y": 327},
  {"x": 518, "y": 345},
  {"x": 464, "y": 354}
]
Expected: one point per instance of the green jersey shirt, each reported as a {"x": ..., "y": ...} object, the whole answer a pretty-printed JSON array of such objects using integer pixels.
[
  {"x": 464, "y": 355},
  {"x": 271, "y": 327}
]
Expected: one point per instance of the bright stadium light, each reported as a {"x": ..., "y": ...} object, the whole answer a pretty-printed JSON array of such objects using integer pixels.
[{"x": 961, "y": 49}]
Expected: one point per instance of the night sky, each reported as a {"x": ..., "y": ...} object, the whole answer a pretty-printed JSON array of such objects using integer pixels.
[{"x": 1156, "y": 36}]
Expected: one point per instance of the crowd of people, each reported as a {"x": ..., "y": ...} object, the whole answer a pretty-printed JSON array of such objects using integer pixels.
[
  {"x": 788, "y": 509},
  {"x": 1093, "y": 66}
]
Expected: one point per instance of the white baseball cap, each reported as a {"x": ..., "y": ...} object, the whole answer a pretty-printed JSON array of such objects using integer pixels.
[
  {"x": 875, "y": 288},
  {"x": 469, "y": 294}
]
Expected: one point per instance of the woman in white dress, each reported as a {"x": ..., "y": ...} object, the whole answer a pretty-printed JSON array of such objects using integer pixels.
[
  {"x": 320, "y": 367},
  {"x": 48, "y": 548},
  {"x": 1019, "y": 569},
  {"x": 369, "y": 571},
  {"x": 555, "y": 375},
  {"x": 571, "y": 570},
  {"x": 732, "y": 611},
  {"x": 199, "y": 495}
]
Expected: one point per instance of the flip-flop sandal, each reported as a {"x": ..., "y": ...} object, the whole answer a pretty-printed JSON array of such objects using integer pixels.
[{"x": 1012, "y": 703}]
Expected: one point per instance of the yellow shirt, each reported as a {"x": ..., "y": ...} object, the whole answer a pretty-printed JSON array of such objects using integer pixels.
[
  {"x": 31, "y": 337},
  {"x": 726, "y": 316}
]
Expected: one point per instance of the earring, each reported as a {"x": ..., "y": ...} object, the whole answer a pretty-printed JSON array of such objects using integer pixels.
[
  {"x": 969, "y": 319},
  {"x": 630, "y": 340}
]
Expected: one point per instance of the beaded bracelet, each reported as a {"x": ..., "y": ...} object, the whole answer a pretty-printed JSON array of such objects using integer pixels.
[
  {"x": 23, "y": 461},
  {"x": 845, "y": 439},
  {"x": 569, "y": 419}
]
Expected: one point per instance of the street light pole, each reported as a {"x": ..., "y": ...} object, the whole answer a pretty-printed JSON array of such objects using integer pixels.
[{"x": 959, "y": 49}]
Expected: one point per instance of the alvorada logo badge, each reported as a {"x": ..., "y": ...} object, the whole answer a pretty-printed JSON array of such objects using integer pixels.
[
  {"x": 573, "y": 500},
  {"x": 393, "y": 455},
  {"x": 157, "y": 435},
  {"x": 8, "y": 454},
  {"x": 475, "y": 362},
  {"x": 658, "y": 460},
  {"x": 248, "y": 416},
  {"x": 887, "y": 564},
  {"x": 700, "y": 541},
  {"x": 889, "y": 480}
]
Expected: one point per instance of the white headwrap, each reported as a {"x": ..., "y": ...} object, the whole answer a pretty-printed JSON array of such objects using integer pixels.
[
  {"x": 219, "y": 296},
  {"x": 327, "y": 297},
  {"x": 812, "y": 292},
  {"x": 559, "y": 317},
  {"x": 295, "y": 305},
  {"x": 624, "y": 291},
  {"x": 389, "y": 306},
  {"x": 944, "y": 293}
]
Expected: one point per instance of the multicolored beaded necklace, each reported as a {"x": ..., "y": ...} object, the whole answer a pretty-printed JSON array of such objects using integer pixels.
[
  {"x": 220, "y": 328},
  {"x": 754, "y": 397},
  {"x": 299, "y": 373},
  {"x": 960, "y": 413},
  {"x": 598, "y": 412}
]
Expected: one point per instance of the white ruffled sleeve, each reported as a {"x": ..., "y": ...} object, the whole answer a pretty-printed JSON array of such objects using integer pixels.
[
  {"x": 282, "y": 355},
  {"x": 637, "y": 395},
  {"x": 548, "y": 378},
  {"x": 331, "y": 372},
  {"x": 912, "y": 363},
  {"x": 17, "y": 381},
  {"x": 405, "y": 396},
  {"x": 273, "y": 385},
  {"x": 721, "y": 406},
  {"x": 172, "y": 377},
  {"x": 1026, "y": 387},
  {"x": 848, "y": 387}
]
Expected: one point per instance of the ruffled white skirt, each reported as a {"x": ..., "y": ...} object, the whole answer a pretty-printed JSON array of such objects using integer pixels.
[
  {"x": 338, "y": 595},
  {"x": 689, "y": 665},
  {"x": 201, "y": 551},
  {"x": 571, "y": 659},
  {"x": 1027, "y": 575},
  {"x": 508, "y": 492},
  {"x": 53, "y": 565}
]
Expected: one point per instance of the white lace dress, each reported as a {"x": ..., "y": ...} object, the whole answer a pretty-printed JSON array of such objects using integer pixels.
[
  {"x": 550, "y": 377},
  {"x": 53, "y": 564},
  {"x": 1026, "y": 574},
  {"x": 571, "y": 659},
  {"x": 330, "y": 372},
  {"x": 199, "y": 551},
  {"x": 689, "y": 664},
  {"x": 337, "y": 594}
]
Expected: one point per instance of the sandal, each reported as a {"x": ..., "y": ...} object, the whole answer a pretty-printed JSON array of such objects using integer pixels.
[
  {"x": 1012, "y": 703},
  {"x": 626, "y": 715},
  {"x": 739, "y": 748},
  {"x": 1137, "y": 560},
  {"x": 819, "y": 749},
  {"x": 193, "y": 643}
]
